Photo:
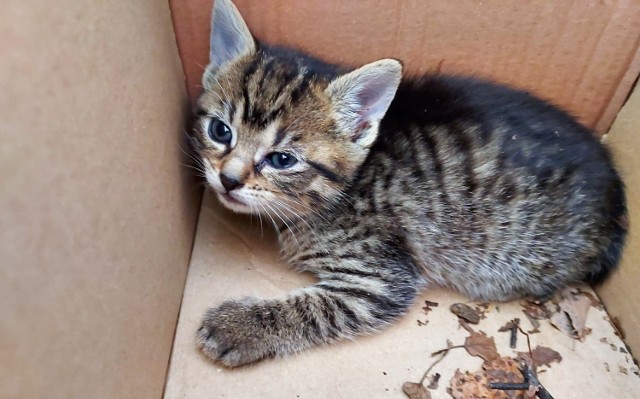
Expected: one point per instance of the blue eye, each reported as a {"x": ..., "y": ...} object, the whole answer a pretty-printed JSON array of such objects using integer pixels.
[
  {"x": 219, "y": 132},
  {"x": 280, "y": 160}
]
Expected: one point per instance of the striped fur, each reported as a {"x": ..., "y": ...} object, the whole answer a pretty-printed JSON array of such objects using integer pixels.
[{"x": 465, "y": 184}]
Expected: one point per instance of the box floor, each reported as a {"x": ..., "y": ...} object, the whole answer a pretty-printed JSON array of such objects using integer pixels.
[{"x": 232, "y": 259}]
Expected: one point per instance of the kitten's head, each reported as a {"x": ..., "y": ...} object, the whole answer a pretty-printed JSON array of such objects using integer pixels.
[{"x": 280, "y": 133}]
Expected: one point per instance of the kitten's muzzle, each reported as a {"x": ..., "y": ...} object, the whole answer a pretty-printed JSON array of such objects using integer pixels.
[{"x": 230, "y": 183}]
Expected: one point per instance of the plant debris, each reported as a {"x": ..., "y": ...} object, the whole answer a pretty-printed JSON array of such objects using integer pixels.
[
  {"x": 428, "y": 306},
  {"x": 415, "y": 390},
  {"x": 479, "y": 344},
  {"x": 467, "y": 385},
  {"x": 482, "y": 309},
  {"x": 623, "y": 370},
  {"x": 512, "y": 327},
  {"x": 433, "y": 383},
  {"x": 531, "y": 386},
  {"x": 465, "y": 312},
  {"x": 572, "y": 315},
  {"x": 540, "y": 356},
  {"x": 534, "y": 310},
  {"x": 422, "y": 323}
]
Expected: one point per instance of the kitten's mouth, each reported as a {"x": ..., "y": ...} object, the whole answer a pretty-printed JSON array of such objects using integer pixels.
[{"x": 230, "y": 199}]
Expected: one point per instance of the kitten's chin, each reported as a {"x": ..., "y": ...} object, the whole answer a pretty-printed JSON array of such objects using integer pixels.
[{"x": 233, "y": 203}]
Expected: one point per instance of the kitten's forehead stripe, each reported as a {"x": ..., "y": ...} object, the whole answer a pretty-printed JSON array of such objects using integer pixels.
[
  {"x": 272, "y": 86},
  {"x": 280, "y": 134}
]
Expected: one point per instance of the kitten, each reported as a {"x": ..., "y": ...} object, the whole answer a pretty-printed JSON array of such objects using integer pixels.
[{"x": 381, "y": 187}]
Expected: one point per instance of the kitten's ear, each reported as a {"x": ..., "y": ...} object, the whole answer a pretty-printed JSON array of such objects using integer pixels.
[
  {"x": 230, "y": 38},
  {"x": 361, "y": 98}
]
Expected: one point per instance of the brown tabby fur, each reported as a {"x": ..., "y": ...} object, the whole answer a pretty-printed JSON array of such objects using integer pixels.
[{"x": 465, "y": 184}]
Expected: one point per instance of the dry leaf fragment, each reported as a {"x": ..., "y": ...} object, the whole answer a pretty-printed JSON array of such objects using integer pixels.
[
  {"x": 606, "y": 366},
  {"x": 465, "y": 312},
  {"x": 478, "y": 344},
  {"x": 535, "y": 311},
  {"x": 414, "y": 390},
  {"x": 623, "y": 370},
  {"x": 595, "y": 301},
  {"x": 476, "y": 386},
  {"x": 503, "y": 369},
  {"x": 509, "y": 325},
  {"x": 470, "y": 386},
  {"x": 572, "y": 315},
  {"x": 542, "y": 356}
]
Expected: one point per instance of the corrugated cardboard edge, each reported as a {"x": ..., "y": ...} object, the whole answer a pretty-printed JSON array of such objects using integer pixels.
[
  {"x": 620, "y": 292},
  {"x": 621, "y": 94}
]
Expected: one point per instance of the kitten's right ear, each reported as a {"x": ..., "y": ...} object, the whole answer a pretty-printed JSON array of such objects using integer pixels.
[{"x": 230, "y": 39}]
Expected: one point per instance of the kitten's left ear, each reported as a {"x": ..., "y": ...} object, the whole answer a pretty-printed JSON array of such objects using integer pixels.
[
  {"x": 230, "y": 39},
  {"x": 361, "y": 98}
]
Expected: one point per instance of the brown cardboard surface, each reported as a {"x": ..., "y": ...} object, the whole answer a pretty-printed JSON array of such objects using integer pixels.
[
  {"x": 579, "y": 53},
  {"x": 620, "y": 292},
  {"x": 96, "y": 214},
  {"x": 232, "y": 259}
]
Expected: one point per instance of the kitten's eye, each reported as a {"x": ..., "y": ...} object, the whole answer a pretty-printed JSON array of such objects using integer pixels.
[
  {"x": 219, "y": 132},
  {"x": 280, "y": 160}
]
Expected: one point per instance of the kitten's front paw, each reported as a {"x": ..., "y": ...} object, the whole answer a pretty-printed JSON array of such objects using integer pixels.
[{"x": 231, "y": 335}]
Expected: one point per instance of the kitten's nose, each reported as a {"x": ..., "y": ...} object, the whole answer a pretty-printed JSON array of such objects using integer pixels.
[{"x": 229, "y": 183}]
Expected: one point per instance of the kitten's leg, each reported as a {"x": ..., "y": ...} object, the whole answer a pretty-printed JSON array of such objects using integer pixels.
[{"x": 351, "y": 299}]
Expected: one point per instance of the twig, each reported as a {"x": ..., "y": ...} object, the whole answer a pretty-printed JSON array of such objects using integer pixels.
[
  {"x": 514, "y": 334},
  {"x": 442, "y": 353},
  {"x": 530, "y": 380},
  {"x": 528, "y": 344}
]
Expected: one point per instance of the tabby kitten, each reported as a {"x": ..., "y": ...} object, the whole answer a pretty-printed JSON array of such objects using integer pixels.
[{"x": 381, "y": 187}]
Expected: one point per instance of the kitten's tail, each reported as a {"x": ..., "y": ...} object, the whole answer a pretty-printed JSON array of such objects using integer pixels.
[{"x": 618, "y": 227}]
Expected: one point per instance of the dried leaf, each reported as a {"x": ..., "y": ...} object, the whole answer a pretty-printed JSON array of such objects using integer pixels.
[
  {"x": 414, "y": 390},
  {"x": 478, "y": 344},
  {"x": 595, "y": 301},
  {"x": 535, "y": 311},
  {"x": 470, "y": 386},
  {"x": 509, "y": 325},
  {"x": 476, "y": 385},
  {"x": 542, "y": 356},
  {"x": 503, "y": 369},
  {"x": 623, "y": 370},
  {"x": 572, "y": 315},
  {"x": 465, "y": 312}
]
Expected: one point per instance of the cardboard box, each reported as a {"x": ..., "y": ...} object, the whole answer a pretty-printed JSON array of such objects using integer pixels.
[{"x": 98, "y": 213}]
